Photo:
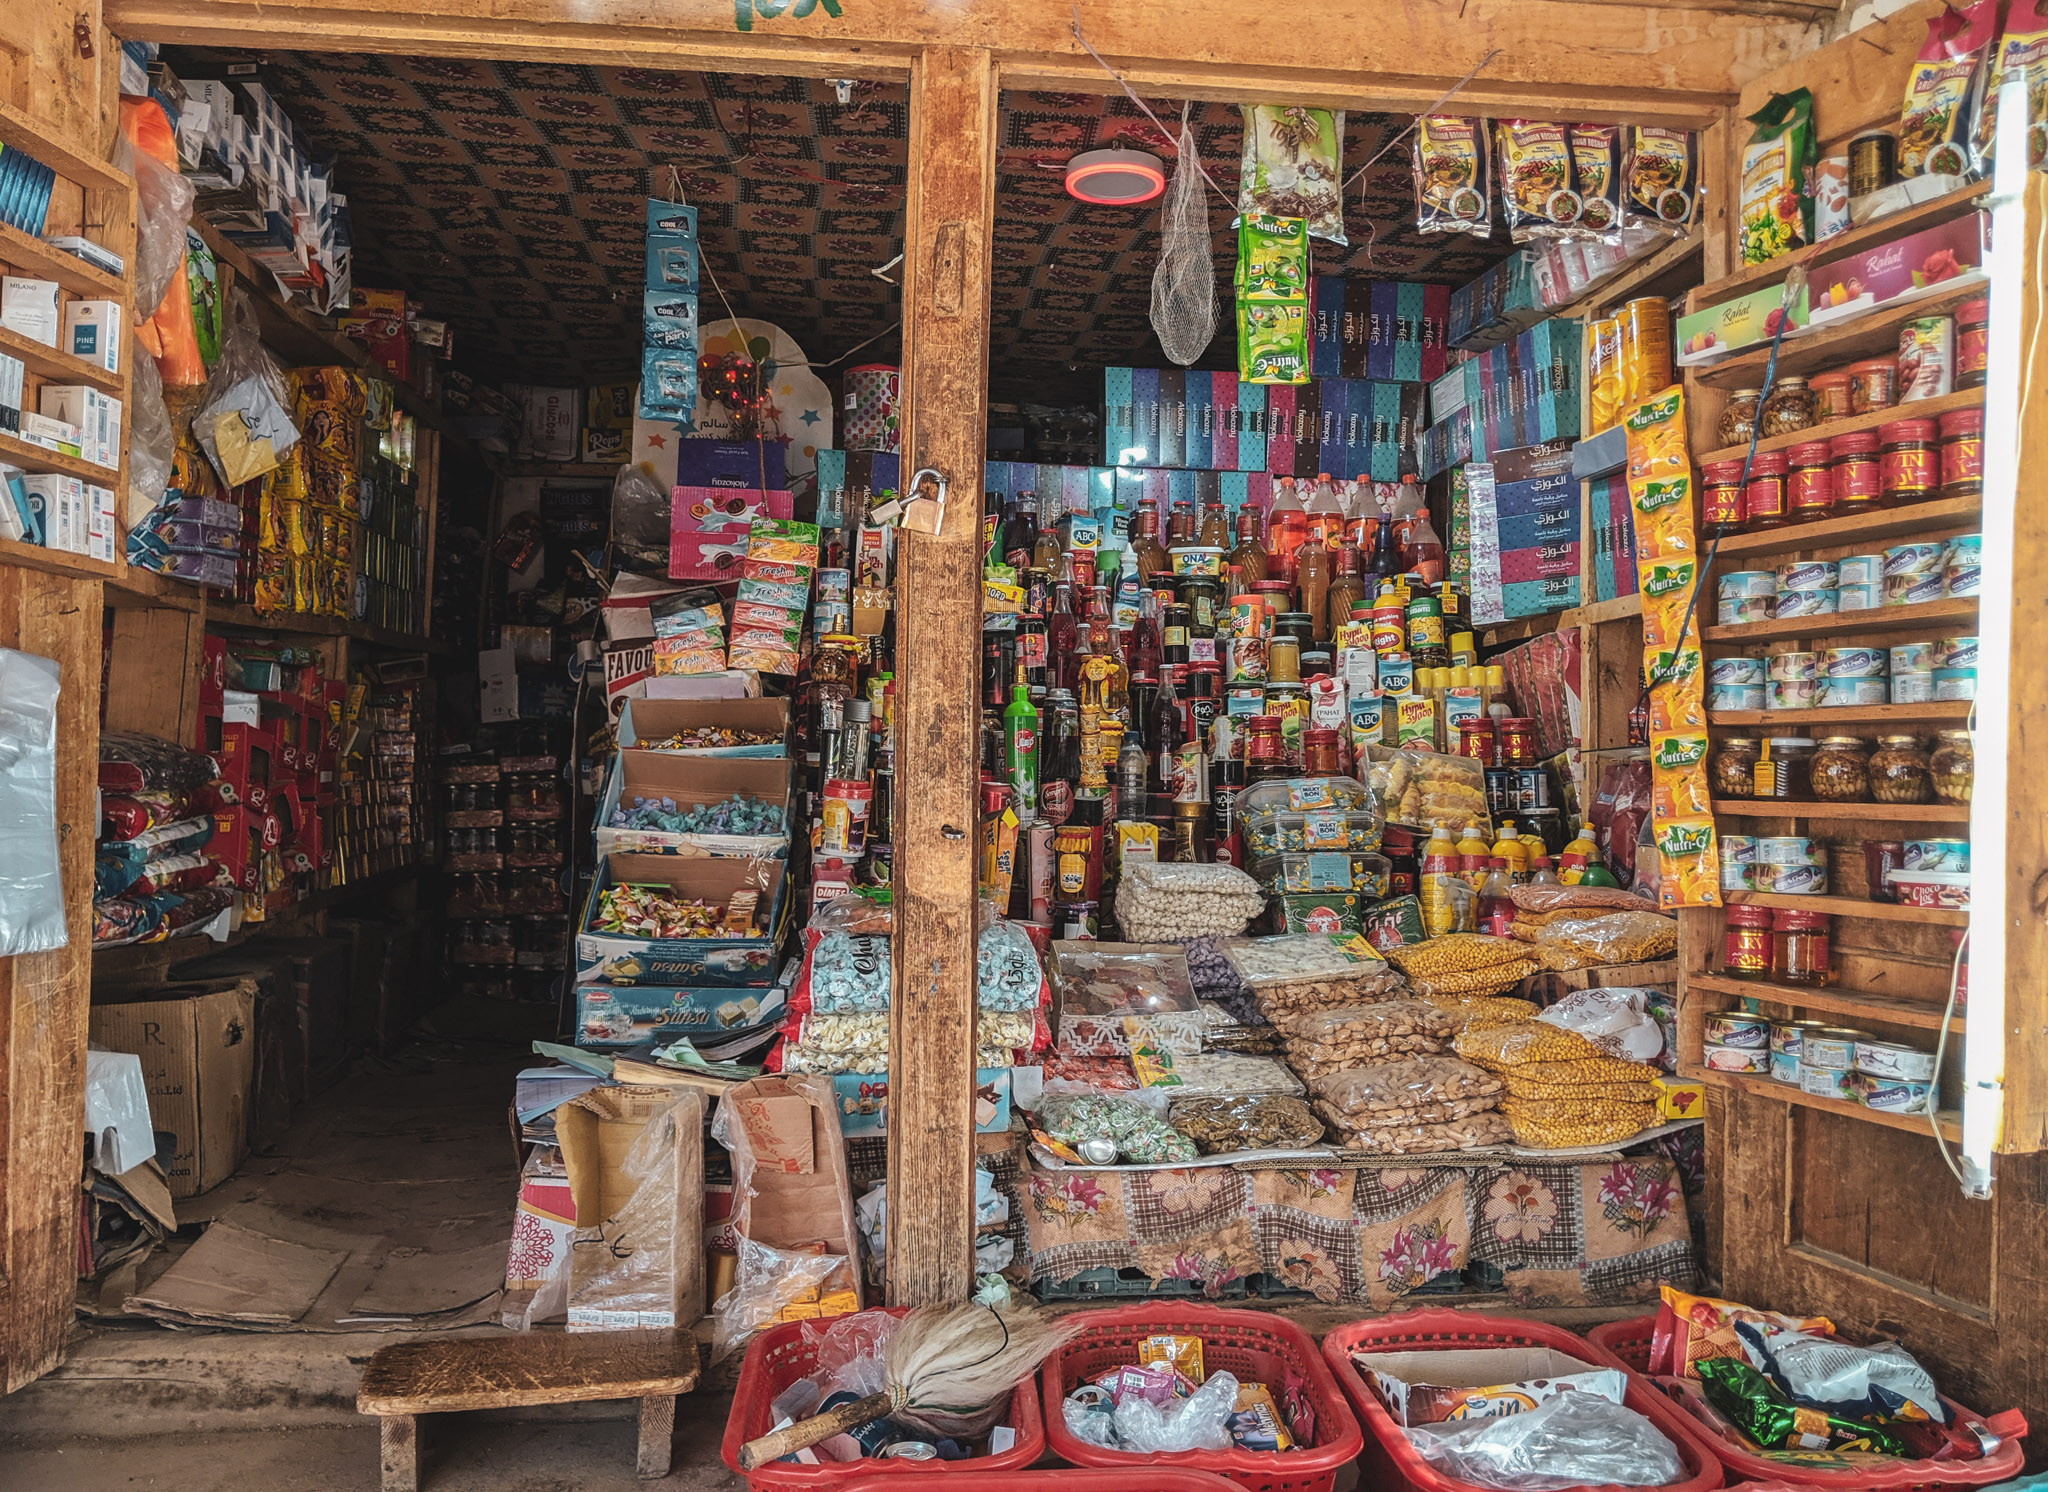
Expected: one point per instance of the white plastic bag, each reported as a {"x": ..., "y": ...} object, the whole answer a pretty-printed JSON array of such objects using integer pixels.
[
  {"x": 152, "y": 442},
  {"x": 117, "y": 1111},
  {"x": 245, "y": 425},
  {"x": 1615, "y": 1020},
  {"x": 1200, "y": 1422},
  {"x": 1573, "y": 1440},
  {"x": 31, "y": 887}
]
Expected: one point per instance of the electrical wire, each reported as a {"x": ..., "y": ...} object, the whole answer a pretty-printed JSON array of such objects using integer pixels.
[{"x": 1955, "y": 970}]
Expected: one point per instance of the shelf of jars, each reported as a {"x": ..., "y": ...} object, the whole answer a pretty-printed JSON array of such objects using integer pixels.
[
  {"x": 1897, "y": 813},
  {"x": 1942, "y": 514},
  {"x": 1949, "y": 1121},
  {"x": 1875, "y": 716}
]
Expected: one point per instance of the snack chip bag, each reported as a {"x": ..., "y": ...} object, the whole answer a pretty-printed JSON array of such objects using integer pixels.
[
  {"x": 1688, "y": 862},
  {"x": 1272, "y": 258},
  {"x": 1943, "y": 89},
  {"x": 1182, "y": 1354},
  {"x": 1667, "y": 585},
  {"x": 1451, "y": 176},
  {"x": 2022, "y": 51},
  {"x": 1691, "y": 1328},
  {"x": 1594, "y": 151},
  {"x": 1272, "y": 342},
  {"x": 1678, "y": 775},
  {"x": 1660, "y": 180}
]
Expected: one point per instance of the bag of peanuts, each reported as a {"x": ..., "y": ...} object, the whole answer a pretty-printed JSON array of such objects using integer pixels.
[
  {"x": 1469, "y": 1133},
  {"x": 1479, "y": 1010},
  {"x": 1383, "y": 1093},
  {"x": 1352, "y": 1035},
  {"x": 1546, "y": 898},
  {"x": 1562, "y": 1126},
  {"x": 1498, "y": 1048},
  {"x": 1616, "y": 938},
  {"x": 1535, "y": 1092},
  {"x": 1497, "y": 980},
  {"x": 1578, "y": 1072}
]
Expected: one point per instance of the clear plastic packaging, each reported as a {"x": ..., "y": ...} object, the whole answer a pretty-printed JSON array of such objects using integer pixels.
[
  {"x": 769, "y": 1280},
  {"x": 152, "y": 443},
  {"x": 1479, "y": 1010},
  {"x": 1390, "y": 1089},
  {"x": 1496, "y": 980},
  {"x": 1266, "y": 1122},
  {"x": 1167, "y": 902},
  {"x": 31, "y": 887},
  {"x": 846, "y": 958},
  {"x": 641, "y": 1270},
  {"x": 1616, "y": 1020},
  {"x": 1615, "y": 938},
  {"x": 1424, "y": 788},
  {"x": 1007, "y": 973},
  {"x": 1299, "y": 958},
  {"x": 1573, "y": 1440},
  {"x": 1561, "y": 898},
  {"x": 1436, "y": 1137},
  {"x": 1323, "y": 870},
  {"x": 1499, "y": 1047},
  {"x": 1141, "y": 1137},
  {"x": 1200, "y": 1422},
  {"x": 1456, "y": 953},
  {"x": 1229, "y": 1073},
  {"x": 244, "y": 426},
  {"x": 1553, "y": 1126},
  {"x": 1382, "y": 1019},
  {"x": 1101, "y": 986}
]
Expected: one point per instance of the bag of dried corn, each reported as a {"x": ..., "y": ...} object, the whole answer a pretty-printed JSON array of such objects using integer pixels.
[{"x": 1616, "y": 938}]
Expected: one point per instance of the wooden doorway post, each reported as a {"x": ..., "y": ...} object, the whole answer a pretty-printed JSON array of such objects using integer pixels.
[{"x": 946, "y": 233}]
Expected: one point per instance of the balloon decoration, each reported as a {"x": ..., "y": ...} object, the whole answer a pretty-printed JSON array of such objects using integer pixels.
[{"x": 740, "y": 383}]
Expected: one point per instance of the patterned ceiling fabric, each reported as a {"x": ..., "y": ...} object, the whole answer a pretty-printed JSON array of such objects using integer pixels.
[{"x": 506, "y": 198}]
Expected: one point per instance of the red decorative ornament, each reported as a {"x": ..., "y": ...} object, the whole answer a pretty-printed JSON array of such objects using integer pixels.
[{"x": 740, "y": 384}]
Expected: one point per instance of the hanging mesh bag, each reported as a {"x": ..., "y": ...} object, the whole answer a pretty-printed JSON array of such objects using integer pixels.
[{"x": 1184, "y": 284}]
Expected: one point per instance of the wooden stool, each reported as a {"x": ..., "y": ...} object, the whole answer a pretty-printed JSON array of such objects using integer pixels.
[{"x": 408, "y": 1379}]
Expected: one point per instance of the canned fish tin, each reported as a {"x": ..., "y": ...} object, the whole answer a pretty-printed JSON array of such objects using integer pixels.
[
  {"x": 1859, "y": 597},
  {"x": 1738, "y": 1059},
  {"x": 1860, "y": 569},
  {"x": 1828, "y": 1082},
  {"x": 1791, "y": 694},
  {"x": 1849, "y": 694},
  {"x": 1808, "y": 603},
  {"x": 1955, "y": 683},
  {"x": 1893, "y": 1095},
  {"x": 1738, "y": 859},
  {"x": 1726, "y": 697},
  {"x": 1852, "y": 663},
  {"x": 1792, "y": 880},
  {"x": 1785, "y": 667},
  {"x": 1738, "y": 670},
  {"x": 1738, "y": 611},
  {"x": 1790, "y": 849},
  {"x": 1785, "y": 1068},
  {"x": 1738, "y": 1030},
  {"x": 1913, "y": 688},
  {"x": 1809, "y": 575},
  {"x": 1962, "y": 565},
  {"x": 1955, "y": 652},
  {"x": 1945, "y": 855},
  {"x": 1790, "y": 1036},
  {"x": 1746, "y": 584},
  {"x": 1911, "y": 590},
  {"x": 1914, "y": 657},
  {"x": 1888, "y": 1059},
  {"x": 1832, "y": 1048},
  {"x": 1913, "y": 559}
]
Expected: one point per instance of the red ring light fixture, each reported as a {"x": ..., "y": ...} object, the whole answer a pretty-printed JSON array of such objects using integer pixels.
[{"x": 1115, "y": 178}]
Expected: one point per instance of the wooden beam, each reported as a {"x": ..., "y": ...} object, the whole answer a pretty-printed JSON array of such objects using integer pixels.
[{"x": 951, "y": 201}]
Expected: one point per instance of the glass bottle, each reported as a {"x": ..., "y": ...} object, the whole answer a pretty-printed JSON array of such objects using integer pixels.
[
  {"x": 1106, "y": 667},
  {"x": 1312, "y": 580},
  {"x": 1168, "y": 734},
  {"x": 1325, "y": 514},
  {"x": 1347, "y": 588},
  {"x": 1248, "y": 555},
  {"x": 1046, "y": 556},
  {"x": 1226, "y": 781},
  {"x": 1214, "y": 532},
  {"x": 1020, "y": 750},
  {"x": 1286, "y": 531},
  {"x": 1132, "y": 767},
  {"x": 1059, "y": 770},
  {"x": 1147, "y": 554},
  {"x": 1383, "y": 562},
  {"x": 1496, "y": 907},
  {"x": 1061, "y": 627},
  {"x": 1020, "y": 532},
  {"x": 1180, "y": 526},
  {"x": 1148, "y": 647},
  {"x": 1031, "y": 653}
]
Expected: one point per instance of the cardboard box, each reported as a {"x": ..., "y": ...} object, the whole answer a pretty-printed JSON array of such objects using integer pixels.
[
  {"x": 198, "y": 1050},
  {"x": 729, "y": 962},
  {"x": 691, "y": 782},
  {"x": 755, "y": 465},
  {"x": 789, "y": 1159},
  {"x": 638, "y": 1259},
  {"x": 1680, "y": 1098},
  {"x": 1929, "y": 262},
  {"x": 92, "y": 332},
  {"x": 863, "y": 1101},
  {"x": 644, "y": 721},
  {"x": 1710, "y": 335},
  {"x": 1429, "y": 1388},
  {"x": 624, "y": 1015}
]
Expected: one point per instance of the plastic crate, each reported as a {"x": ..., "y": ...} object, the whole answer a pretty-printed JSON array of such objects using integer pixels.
[
  {"x": 1063, "y": 1479},
  {"x": 1390, "y": 1464},
  {"x": 1105, "y": 1283},
  {"x": 1626, "y": 1344},
  {"x": 1253, "y": 1347},
  {"x": 780, "y": 1355}
]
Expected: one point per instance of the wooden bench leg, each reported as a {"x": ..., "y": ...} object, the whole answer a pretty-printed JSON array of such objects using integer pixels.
[
  {"x": 398, "y": 1445},
  {"x": 657, "y": 1433}
]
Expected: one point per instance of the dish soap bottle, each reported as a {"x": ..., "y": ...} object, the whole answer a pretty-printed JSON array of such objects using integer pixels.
[{"x": 1512, "y": 848}]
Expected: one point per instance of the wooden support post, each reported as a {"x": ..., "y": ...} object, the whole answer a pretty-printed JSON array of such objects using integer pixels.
[
  {"x": 657, "y": 1433},
  {"x": 938, "y": 645},
  {"x": 398, "y": 1452}
]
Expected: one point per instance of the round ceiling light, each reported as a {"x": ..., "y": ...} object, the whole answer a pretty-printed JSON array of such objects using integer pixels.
[{"x": 1118, "y": 178}]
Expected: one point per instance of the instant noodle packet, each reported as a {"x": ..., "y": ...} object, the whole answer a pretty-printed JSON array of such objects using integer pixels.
[
  {"x": 1451, "y": 177},
  {"x": 1594, "y": 150},
  {"x": 2023, "y": 50},
  {"x": 1182, "y": 1354}
]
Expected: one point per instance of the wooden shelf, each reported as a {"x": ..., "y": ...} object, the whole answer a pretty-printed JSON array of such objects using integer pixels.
[
  {"x": 1919, "y": 409},
  {"x": 127, "y": 960},
  {"x": 59, "y": 367},
  {"x": 1951, "y": 1122},
  {"x": 17, "y": 130},
  {"x": 17, "y": 452},
  {"x": 1848, "y": 906},
  {"x": 1614, "y": 609},
  {"x": 58, "y": 561},
  {"x": 236, "y": 614},
  {"x": 1834, "y": 346},
  {"x": 137, "y": 587},
  {"x": 1841, "y": 623},
  {"x": 31, "y": 256},
  {"x": 1896, "y": 813},
  {"x": 1887, "y": 1009},
  {"x": 1859, "y": 528},
  {"x": 1893, "y": 225},
  {"x": 1873, "y": 715}
]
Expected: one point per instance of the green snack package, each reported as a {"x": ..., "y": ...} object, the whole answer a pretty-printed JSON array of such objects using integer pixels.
[
  {"x": 1777, "y": 178},
  {"x": 1272, "y": 343},
  {"x": 1272, "y": 258},
  {"x": 1759, "y": 1408}
]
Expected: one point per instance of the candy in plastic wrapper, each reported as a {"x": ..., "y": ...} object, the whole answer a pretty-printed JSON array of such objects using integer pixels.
[
  {"x": 1759, "y": 1408},
  {"x": 1182, "y": 1354},
  {"x": 1692, "y": 1328},
  {"x": 1256, "y": 1424}
]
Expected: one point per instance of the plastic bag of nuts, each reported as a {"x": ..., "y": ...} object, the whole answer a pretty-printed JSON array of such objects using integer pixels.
[
  {"x": 1456, "y": 953},
  {"x": 1167, "y": 901},
  {"x": 1389, "y": 1087},
  {"x": 1616, "y": 938},
  {"x": 1470, "y": 1133},
  {"x": 1265, "y": 1122},
  {"x": 1352, "y": 1035},
  {"x": 1230, "y": 1073},
  {"x": 1298, "y": 972},
  {"x": 1498, "y": 1048},
  {"x": 1497, "y": 980},
  {"x": 1559, "y": 1126}
]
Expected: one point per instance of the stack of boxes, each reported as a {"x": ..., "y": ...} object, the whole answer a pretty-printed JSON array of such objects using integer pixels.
[
  {"x": 722, "y": 486},
  {"x": 192, "y": 537},
  {"x": 1197, "y": 421},
  {"x": 1384, "y": 330},
  {"x": 1522, "y": 392},
  {"x": 1525, "y": 533}
]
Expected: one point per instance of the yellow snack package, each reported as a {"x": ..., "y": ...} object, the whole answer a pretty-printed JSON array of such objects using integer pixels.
[
  {"x": 1677, "y": 697},
  {"x": 1256, "y": 1423},
  {"x": 1656, "y": 440},
  {"x": 1688, "y": 862},
  {"x": 1182, "y": 1354},
  {"x": 1662, "y": 508},
  {"x": 1678, "y": 775},
  {"x": 1667, "y": 583}
]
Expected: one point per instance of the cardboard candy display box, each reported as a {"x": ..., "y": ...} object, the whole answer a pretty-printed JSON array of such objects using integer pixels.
[{"x": 737, "y": 961}]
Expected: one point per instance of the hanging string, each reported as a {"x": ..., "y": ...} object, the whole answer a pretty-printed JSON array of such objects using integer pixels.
[
  {"x": 1101, "y": 62},
  {"x": 1421, "y": 115}
]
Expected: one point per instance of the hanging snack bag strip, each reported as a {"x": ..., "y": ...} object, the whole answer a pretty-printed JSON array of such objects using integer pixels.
[
  {"x": 1660, "y": 180},
  {"x": 1450, "y": 176},
  {"x": 1272, "y": 299}
]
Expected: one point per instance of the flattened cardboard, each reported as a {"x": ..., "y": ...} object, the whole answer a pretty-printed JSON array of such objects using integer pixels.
[
  {"x": 1424, "y": 1388},
  {"x": 197, "y": 1042}
]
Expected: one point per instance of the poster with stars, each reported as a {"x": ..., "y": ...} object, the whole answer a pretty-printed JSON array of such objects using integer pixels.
[{"x": 799, "y": 416}]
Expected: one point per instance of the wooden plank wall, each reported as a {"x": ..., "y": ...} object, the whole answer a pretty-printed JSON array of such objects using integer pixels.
[{"x": 43, "y": 996}]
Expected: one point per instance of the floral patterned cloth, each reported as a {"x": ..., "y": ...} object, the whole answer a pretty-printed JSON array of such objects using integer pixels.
[{"x": 1559, "y": 1233}]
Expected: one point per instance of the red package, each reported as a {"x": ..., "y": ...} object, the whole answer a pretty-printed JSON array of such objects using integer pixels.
[
  {"x": 174, "y": 873},
  {"x": 125, "y": 815},
  {"x": 1619, "y": 809}
]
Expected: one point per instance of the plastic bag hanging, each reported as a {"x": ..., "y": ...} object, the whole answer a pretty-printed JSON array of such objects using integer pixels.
[
  {"x": 1184, "y": 284},
  {"x": 31, "y": 887}
]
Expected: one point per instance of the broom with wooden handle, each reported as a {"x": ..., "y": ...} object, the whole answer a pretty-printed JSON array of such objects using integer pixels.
[{"x": 950, "y": 1373}]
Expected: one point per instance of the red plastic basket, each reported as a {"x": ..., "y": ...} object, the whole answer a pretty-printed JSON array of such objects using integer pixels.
[
  {"x": 1065, "y": 1479},
  {"x": 781, "y": 1355},
  {"x": 1391, "y": 1464},
  {"x": 1626, "y": 1344},
  {"x": 1253, "y": 1347}
]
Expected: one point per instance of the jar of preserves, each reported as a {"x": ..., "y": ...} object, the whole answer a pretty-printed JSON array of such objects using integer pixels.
[
  {"x": 1738, "y": 420},
  {"x": 1722, "y": 511},
  {"x": 1953, "y": 765},
  {"x": 1800, "y": 948},
  {"x": 1873, "y": 384},
  {"x": 1789, "y": 409},
  {"x": 1263, "y": 749},
  {"x": 1832, "y": 399},
  {"x": 1973, "y": 342},
  {"x": 1840, "y": 770},
  {"x": 1476, "y": 740},
  {"x": 1746, "y": 943},
  {"x": 1734, "y": 767},
  {"x": 1810, "y": 488},
  {"x": 1909, "y": 463},
  {"x": 1785, "y": 767},
  {"x": 1763, "y": 499},
  {"x": 1962, "y": 453},
  {"x": 1319, "y": 753},
  {"x": 1858, "y": 483},
  {"x": 1517, "y": 741},
  {"x": 1900, "y": 771}
]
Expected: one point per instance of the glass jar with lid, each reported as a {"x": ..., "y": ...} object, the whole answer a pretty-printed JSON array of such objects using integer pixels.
[
  {"x": 1831, "y": 396},
  {"x": 1734, "y": 766},
  {"x": 1764, "y": 498},
  {"x": 1789, "y": 409},
  {"x": 1799, "y": 954},
  {"x": 1962, "y": 453},
  {"x": 1858, "y": 482},
  {"x": 1810, "y": 487},
  {"x": 1722, "y": 510},
  {"x": 1953, "y": 765},
  {"x": 1738, "y": 419},
  {"x": 1909, "y": 465},
  {"x": 1900, "y": 771},
  {"x": 1746, "y": 943},
  {"x": 1840, "y": 770},
  {"x": 1784, "y": 770},
  {"x": 1873, "y": 384}
]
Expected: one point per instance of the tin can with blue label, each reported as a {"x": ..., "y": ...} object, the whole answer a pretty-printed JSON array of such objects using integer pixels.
[
  {"x": 1955, "y": 652},
  {"x": 1955, "y": 683},
  {"x": 1914, "y": 688},
  {"x": 1739, "y": 669},
  {"x": 1725, "y": 697},
  {"x": 1962, "y": 565},
  {"x": 1860, "y": 569},
  {"x": 1852, "y": 663},
  {"x": 1849, "y": 694},
  {"x": 1859, "y": 597},
  {"x": 1809, "y": 575},
  {"x": 1808, "y": 603},
  {"x": 1739, "y": 611},
  {"x": 1914, "y": 657},
  {"x": 1746, "y": 585}
]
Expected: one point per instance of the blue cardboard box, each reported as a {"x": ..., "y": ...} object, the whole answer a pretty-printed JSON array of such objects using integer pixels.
[
  {"x": 730, "y": 463},
  {"x": 624, "y": 1015}
]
